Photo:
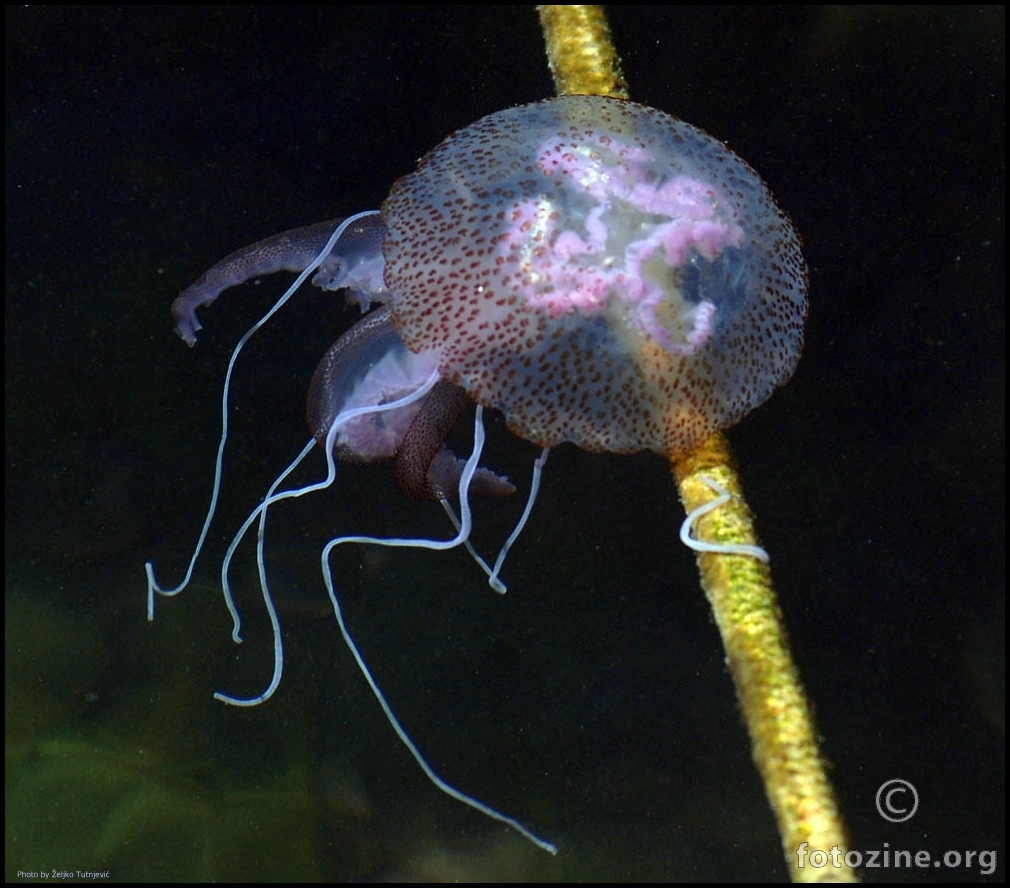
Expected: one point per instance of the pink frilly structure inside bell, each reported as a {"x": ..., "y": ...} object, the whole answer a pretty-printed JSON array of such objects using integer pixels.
[{"x": 600, "y": 272}]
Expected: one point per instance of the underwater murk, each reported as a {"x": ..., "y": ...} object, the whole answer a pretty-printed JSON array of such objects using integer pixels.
[{"x": 601, "y": 273}]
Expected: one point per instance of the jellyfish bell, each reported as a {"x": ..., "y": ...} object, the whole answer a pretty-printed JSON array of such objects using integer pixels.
[{"x": 600, "y": 272}]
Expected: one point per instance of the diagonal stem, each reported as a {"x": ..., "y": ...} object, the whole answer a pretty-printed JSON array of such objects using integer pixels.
[{"x": 583, "y": 60}]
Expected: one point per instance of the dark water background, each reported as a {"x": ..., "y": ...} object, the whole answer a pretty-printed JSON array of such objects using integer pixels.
[{"x": 144, "y": 143}]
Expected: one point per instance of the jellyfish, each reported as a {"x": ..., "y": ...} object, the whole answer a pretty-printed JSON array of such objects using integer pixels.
[{"x": 601, "y": 273}]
